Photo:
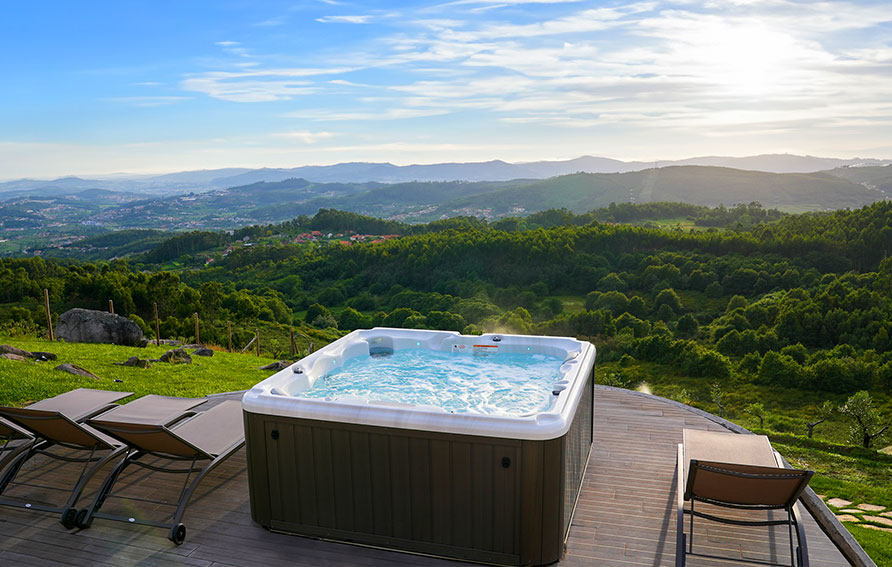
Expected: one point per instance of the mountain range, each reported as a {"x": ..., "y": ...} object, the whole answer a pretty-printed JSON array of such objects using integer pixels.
[{"x": 361, "y": 172}]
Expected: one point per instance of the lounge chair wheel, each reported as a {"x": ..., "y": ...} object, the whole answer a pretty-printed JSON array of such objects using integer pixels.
[
  {"x": 81, "y": 519},
  {"x": 178, "y": 534},
  {"x": 69, "y": 518}
]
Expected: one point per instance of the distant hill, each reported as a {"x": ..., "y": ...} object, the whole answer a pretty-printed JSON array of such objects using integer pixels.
[
  {"x": 697, "y": 185},
  {"x": 875, "y": 177},
  {"x": 362, "y": 172}
]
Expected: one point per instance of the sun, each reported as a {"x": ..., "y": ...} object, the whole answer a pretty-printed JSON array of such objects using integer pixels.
[{"x": 745, "y": 58}]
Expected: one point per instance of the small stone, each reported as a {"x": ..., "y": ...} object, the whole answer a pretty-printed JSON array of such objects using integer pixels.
[
  {"x": 839, "y": 503},
  {"x": 9, "y": 349},
  {"x": 176, "y": 356},
  {"x": 13, "y": 356},
  {"x": 203, "y": 351},
  {"x": 278, "y": 365},
  {"x": 877, "y": 528},
  {"x": 43, "y": 356},
  {"x": 170, "y": 342},
  {"x": 134, "y": 361},
  {"x": 851, "y": 511},
  {"x": 821, "y": 496},
  {"x": 847, "y": 518},
  {"x": 871, "y": 507},
  {"x": 193, "y": 345},
  {"x": 887, "y": 514},
  {"x": 76, "y": 370},
  {"x": 118, "y": 381},
  {"x": 879, "y": 520}
]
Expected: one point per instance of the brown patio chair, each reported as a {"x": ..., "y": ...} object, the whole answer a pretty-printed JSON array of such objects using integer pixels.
[
  {"x": 211, "y": 436},
  {"x": 741, "y": 472},
  {"x": 58, "y": 421}
]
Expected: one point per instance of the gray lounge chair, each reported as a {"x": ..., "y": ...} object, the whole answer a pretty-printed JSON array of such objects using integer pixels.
[
  {"x": 58, "y": 422},
  {"x": 741, "y": 472},
  {"x": 211, "y": 436}
]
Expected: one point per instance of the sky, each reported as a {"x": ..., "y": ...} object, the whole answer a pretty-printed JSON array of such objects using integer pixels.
[{"x": 98, "y": 87}]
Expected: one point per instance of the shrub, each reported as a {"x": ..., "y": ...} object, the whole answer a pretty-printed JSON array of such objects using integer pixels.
[
  {"x": 714, "y": 290},
  {"x": 779, "y": 370}
]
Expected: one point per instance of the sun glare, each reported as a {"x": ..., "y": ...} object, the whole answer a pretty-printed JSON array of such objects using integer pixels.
[{"x": 749, "y": 59}]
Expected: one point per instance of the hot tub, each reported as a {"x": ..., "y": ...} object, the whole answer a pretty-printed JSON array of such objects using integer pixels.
[{"x": 496, "y": 486}]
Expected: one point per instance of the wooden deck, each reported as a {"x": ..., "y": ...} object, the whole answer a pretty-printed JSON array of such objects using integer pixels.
[{"x": 625, "y": 516}]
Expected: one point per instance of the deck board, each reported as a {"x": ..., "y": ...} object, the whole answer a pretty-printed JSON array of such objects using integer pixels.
[{"x": 625, "y": 515}]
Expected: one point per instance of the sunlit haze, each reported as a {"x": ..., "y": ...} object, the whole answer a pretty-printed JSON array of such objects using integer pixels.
[{"x": 95, "y": 88}]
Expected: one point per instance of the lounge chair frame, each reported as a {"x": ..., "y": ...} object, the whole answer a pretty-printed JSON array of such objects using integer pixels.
[
  {"x": 13, "y": 441},
  {"x": 128, "y": 433},
  {"x": 685, "y": 543},
  {"x": 80, "y": 438}
]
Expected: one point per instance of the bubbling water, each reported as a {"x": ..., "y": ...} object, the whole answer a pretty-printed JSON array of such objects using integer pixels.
[{"x": 501, "y": 384}]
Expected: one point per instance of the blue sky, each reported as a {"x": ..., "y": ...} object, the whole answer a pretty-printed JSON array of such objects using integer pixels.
[{"x": 143, "y": 87}]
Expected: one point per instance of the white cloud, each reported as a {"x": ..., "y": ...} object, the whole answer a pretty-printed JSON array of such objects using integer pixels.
[
  {"x": 344, "y": 19},
  {"x": 261, "y": 85},
  {"x": 305, "y": 136},
  {"x": 271, "y": 22}
]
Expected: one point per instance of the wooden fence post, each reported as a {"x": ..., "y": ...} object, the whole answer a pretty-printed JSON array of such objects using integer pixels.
[
  {"x": 292, "y": 349},
  {"x": 157, "y": 331},
  {"x": 197, "y": 339},
  {"x": 257, "y": 344},
  {"x": 111, "y": 306},
  {"x": 229, "y": 334},
  {"x": 49, "y": 317}
]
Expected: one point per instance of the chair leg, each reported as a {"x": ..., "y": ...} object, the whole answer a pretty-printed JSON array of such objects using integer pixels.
[
  {"x": 85, "y": 516},
  {"x": 802, "y": 551},
  {"x": 13, "y": 469},
  {"x": 86, "y": 476},
  {"x": 186, "y": 494}
]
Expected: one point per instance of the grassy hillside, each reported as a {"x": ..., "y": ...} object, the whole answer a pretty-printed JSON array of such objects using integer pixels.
[
  {"x": 875, "y": 176},
  {"x": 24, "y": 382},
  {"x": 709, "y": 186}
]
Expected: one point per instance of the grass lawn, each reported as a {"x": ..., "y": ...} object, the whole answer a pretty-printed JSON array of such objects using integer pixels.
[{"x": 24, "y": 382}]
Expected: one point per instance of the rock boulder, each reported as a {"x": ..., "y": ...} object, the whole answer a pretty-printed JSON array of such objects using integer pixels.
[
  {"x": 88, "y": 326},
  {"x": 134, "y": 361},
  {"x": 76, "y": 370},
  {"x": 278, "y": 365},
  {"x": 9, "y": 349},
  {"x": 176, "y": 356}
]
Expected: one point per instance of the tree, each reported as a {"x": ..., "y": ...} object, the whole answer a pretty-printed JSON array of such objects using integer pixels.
[
  {"x": 866, "y": 421},
  {"x": 211, "y": 299},
  {"x": 779, "y": 370},
  {"x": 736, "y": 302},
  {"x": 612, "y": 282},
  {"x": 687, "y": 326},
  {"x": 756, "y": 410},
  {"x": 717, "y": 393},
  {"x": 670, "y": 298},
  {"x": 351, "y": 319},
  {"x": 714, "y": 290},
  {"x": 823, "y": 413},
  {"x": 320, "y": 317}
]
